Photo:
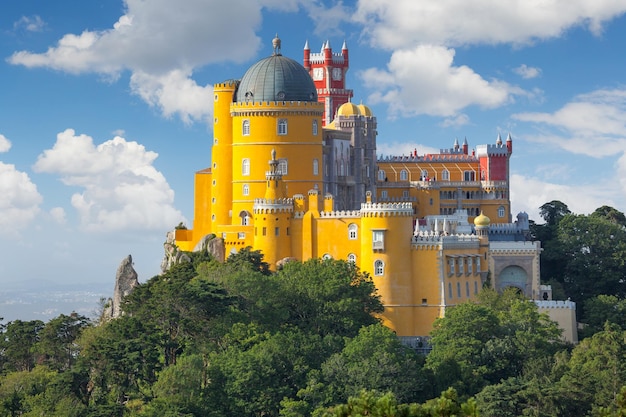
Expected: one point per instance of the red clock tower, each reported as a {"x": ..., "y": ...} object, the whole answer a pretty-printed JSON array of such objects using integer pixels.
[{"x": 328, "y": 71}]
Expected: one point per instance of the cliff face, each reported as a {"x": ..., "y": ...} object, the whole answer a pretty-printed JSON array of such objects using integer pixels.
[{"x": 125, "y": 281}]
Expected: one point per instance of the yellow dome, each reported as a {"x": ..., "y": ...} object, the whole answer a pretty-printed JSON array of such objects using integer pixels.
[
  {"x": 348, "y": 109},
  {"x": 365, "y": 111},
  {"x": 482, "y": 220}
]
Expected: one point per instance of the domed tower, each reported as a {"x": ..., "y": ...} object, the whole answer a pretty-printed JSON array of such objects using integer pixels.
[{"x": 275, "y": 108}]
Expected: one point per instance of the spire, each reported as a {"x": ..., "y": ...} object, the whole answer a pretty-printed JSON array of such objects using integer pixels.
[
  {"x": 499, "y": 140},
  {"x": 508, "y": 137},
  {"x": 344, "y": 46},
  {"x": 328, "y": 44},
  {"x": 306, "y": 45},
  {"x": 456, "y": 144}
]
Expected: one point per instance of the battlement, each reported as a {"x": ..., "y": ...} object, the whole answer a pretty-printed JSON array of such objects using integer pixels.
[
  {"x": 228, "y": 84},
  {"x": 279, "y": 205},
  {"x": 443, "y": 157},
  {"x": 340, "y": 214},
  {"x": 386, "y": 209},
  {"x": 447, "y": 241},
  {"x": 563, "y": 304},
  {"x": 271, "y": 105},
  {"x": 491, "y": 150},
  {"x": 318, "y": 58}
]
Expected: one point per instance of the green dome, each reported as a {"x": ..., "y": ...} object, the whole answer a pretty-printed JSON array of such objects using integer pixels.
[{"x": 276, "y": 78}]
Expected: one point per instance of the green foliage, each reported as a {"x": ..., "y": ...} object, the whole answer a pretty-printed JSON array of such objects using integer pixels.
[
  {"x": 18, "y": 344},
  {"x": 58, "y": 346},
  {"x": 600, "y": 310}
]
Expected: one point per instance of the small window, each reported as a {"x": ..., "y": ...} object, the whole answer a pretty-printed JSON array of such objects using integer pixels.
[
  {"x": 264, "y": 231},
  {"x": 352, "y": 231},
  {"x": 478, "y": 265},
  {"x": 276, "y": 231},
  {"x": 283, "y": 166},
  {"x": 287, "y": 231},
  {"x": 452, "y": 266},
  {"x": 469, "y": 176},
  {"x": 352, "y": 258},
  {"x": 450, "y": 290},
  {"x": 384, "y": 195},
  {"x": 378, "y": 240},
  {"x": 315, "y": 128},
  {"x": 282, "y": 126},
  {"x": 245, "y": 189},
  {"x": 379, "y": 268},
  {"x": 381, "y": 175},
  {"x": 458, "y": 289},
  {"x": 445, "y": 175},
  {"x": 215, "y": 97},
  {"x": 425, "y": 175},
  {"x": 461, "y": 265},
  {"x": 467, "y": 290},
  {"x": 405, "y": 194},
  {"x": 245, "y": 166},
  {"x": 475, "y": 287},
  {"x": 501, "y": 211},
  {"x": 246, "y": 128},
  {"x": 316, "y": 167},
  {"x": 470, "y": 265},
  {"x": 326, "y": 256},
  {"x": 241, "y": 235},
  {"x": 404, "y": 175},
  {"x": 213, "y": 217},
  {"x": 424, "y": 300}
]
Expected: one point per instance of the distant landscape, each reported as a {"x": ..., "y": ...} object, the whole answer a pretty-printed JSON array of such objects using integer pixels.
[{"x": 44, "y": 300}]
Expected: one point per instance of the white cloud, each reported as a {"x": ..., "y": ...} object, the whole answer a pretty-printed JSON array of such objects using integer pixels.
[
  {"x": 424, "y": 80},
  {"x": 121, "y": 188},
  {"x": 527, "y": 72},
  {"x": 160, "y": 43},
  {"x": 592, "y": 124},
  {"x": 456, "y": 121},
  {"x": 20, "y": 199},
  {"x": 5, "y": 144},
  {"x": 58, "y": 214},
  {"x": 401, "y": 23},
  {"x": 30, "y": 23},
  {"x": 174, "y": 93},
  {"x": 529, "y": 193}
]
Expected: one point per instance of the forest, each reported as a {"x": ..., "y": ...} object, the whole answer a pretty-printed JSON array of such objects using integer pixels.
[{"x": 235, "y": 339}]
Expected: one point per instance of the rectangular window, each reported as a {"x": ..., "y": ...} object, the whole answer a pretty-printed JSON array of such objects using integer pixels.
[
  {"x": 470, "y": 265},
  {"x": 383, "y": 194},
  {"x": 467, "y": 291},
  {"x": 450, "y": 290},
  {"x": 264, "y": 231},
  {"x": 452, "y": 268},
  {"x": 378, "y": 240},
  {"x": 316, "y": 168},
  {"x": 246, "y": 128},
  {"x": 461, "y": 266},
  {"x": 287, "y": 231},
  {"x": 241, "y": 235},
  {"x": 458, "y": 289},
  {"x": 469, "y": 176},
  {"x": 276, "y": 231}
]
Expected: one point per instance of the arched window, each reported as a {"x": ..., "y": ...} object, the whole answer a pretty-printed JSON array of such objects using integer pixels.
[
  {"x": 379, "y": 268},
  {"x": 316, "y": 167},
  {"x": 353, "y": 231},
  {"x": 283, "y": 166},
  {"x": 381, "y": 175},
  {"x": 245, "y": 189},
  {"x": 245, "y": 218},
  {"x": 445, "y": 175},
  {"x": 404, "y": 175},
  {"x": 327, "y": 256},
  {"x": 314, "y": 127},
  {"x": 245, "y": 166},
  {"x": 352, "y": 258},
  {"x": 245, "y": 128},
  {"x": 282, "y": 126},
  {"x": 501, "y": 211}
]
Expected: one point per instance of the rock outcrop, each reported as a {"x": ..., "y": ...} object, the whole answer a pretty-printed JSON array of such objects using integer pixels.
[
  {"x": 173, "y": 256},
  {"x": 125, "y": 281}
]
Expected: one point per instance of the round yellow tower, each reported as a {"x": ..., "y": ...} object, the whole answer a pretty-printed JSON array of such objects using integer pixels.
[
  {"x": 221, "y": 154},
  {"x": 386, "y": 253},
  {"x": 275, "y": 108}
]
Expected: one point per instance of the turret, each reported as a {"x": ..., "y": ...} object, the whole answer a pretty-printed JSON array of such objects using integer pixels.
[
  {"x": 344, "y": 53},
  {"x": 306, "y": 62},
  {"x": 465, "y": 146},
  {"x": 509, "y": 143}
]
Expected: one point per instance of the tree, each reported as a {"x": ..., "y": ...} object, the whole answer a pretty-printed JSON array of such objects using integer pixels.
[
  {"x": 596, "y": 371},
  {"x": 58, "y": 340},
  {"x": 595, "y": 249},
  {"x": 601, "y": 309},
  {"x": 373, "y": 360},
  {"x": 553, "y": 212},
  {"x": 611, "y": 214},
  {"x": 20, "y": 338}
]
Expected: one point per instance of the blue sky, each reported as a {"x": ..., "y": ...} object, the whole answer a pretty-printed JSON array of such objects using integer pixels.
[{"x": 104, "y": 107}]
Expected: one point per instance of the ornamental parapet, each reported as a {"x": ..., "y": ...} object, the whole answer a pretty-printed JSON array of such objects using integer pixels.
[
  {"x": 268, "y": 108},
  {"x": 443, "y": 157},
  {"x": 514, "y": 247},
  {"x": 279, "y": 205},
  {"x": 386, "y": 209},
  {"x": 340, "y": 214},
  {"x": 491, "y": 150},
  {"x": 550, "y": 304}
]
